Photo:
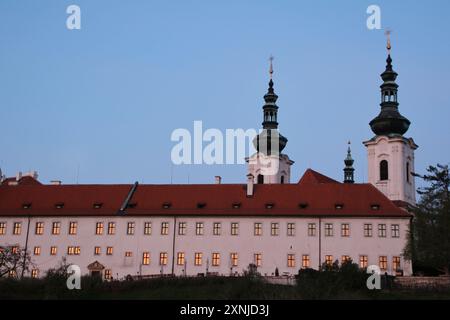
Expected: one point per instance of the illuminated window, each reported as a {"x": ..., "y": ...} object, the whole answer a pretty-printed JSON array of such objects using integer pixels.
[
  {"x": 345, "y": 258},
  {"x": 274, "y": 229},
  {"x": 17, "y": 228},
  {"x": 257, "y": 259},
  {"x": 37, "y": 251},
  {"x": 12, "y": 274},
  {"x": 53, "y": 251},
  {"x": 147, "y": 228},
  {"x": 34, "y": 273},
  {"x": 345, "y": 230},
  {"x": 198, "y": 259},
  {"x": 165, "y": 228},
  {"x": 257, "y": 229},
  {"x": 367, "y": 230},
  {"x": 163, "y": 257},
  {"x": 146, "y": 258},
  {"x": 291, "y": 229},
  {"x": 305, "y": 261},
  {"x": 130, "y": 228},
  {"x": 97, "y": 251},
  {"x": 382, "y": 263},
  {"x": 15, "y": 249},
  {"x": 217, "y": 228},
  {"x": 199, "y": 228},
  {"x": 111, "y": 228},
  {"x": 234, "y": 228},
  {"x": 99, "y": 228},
  {"x": 396, "y": 263},
  {"x": 382, "y": 230},
  {"x": 311, "y": 229},
  {"x": 234, "y": 259},
  {"x": 39, "y": 228},
  {"x": 128, "y": 254},
  {"x": 109, "y": 251},
  {"x": 216, "y": 259},
  {"x": 328, "y": 229},
  {"x": 182, "y": 228},
  {"x": 2, "y": 228},
  {"x": 291, "y": 260},
  {"x": 180, "y": 258},
  {"x": 329, "y": 260},
  {"x": 384, "y": 170},
  {"x": 108, "y": 274},
  {"x": 363, "y": 262},
  {"x": 73, "y": 226},
  {"x": 56, "y": 228},
  {"x": 395, "y": 231},
  {"x": 72, "y": 250}
]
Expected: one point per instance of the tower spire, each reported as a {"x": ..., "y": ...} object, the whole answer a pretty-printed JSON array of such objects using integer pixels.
[{"x": 349, "y": 170}]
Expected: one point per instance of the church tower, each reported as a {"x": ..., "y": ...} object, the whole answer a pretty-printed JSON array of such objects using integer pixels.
[
  {"x": 269, "y": 165},
  {"x": 390, "y": 154}
]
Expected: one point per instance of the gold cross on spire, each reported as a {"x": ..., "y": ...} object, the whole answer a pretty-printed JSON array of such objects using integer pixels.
[
  {"x": 388, "y": 38},
  {"x": 271, "y": 66}
]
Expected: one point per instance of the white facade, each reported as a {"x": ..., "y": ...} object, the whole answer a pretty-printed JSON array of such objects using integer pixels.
[
  {"x": 273, "y": 168},
  {"x": 286, "y": 247},
  {"x": 398, "y": 152}
]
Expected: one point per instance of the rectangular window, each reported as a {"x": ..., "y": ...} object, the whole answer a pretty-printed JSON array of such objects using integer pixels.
[
  {"x": 396, "y": 263},
  {"x": 72, "y": 250},
  {"x": 147, "y": 228},
  {"x": 257, "y": 229},
  {"x": 345, "y": 230},
  {"x": 130, "y": 228},
  {"x": 108, "y": 274},
  {"x": 53, "y": 251},
  {"x": 39, "y": 228},
  {"x": 73, "y": 226},
  {"x": 2, "y": 228},
  {"x": 180, "y": 259},
  {"x": 305, "y": 261},
  {"x": 111, "y": 228},
  {"x": 128, "y": 254},
  {"x": 109, "y": 251},
  {"x": 146, "y": 258},
  {"x": 382, "y": 230},
  {"x": 382, "y": 263},
  {"x": 163, "y": 257},
  {"x": 97, "y": 251},
  {"x": 234, "y": 228},
  {"x": 34, "y": 273},
  {"x": 363, "y": 262},
  {"x": 99, "y": 228},
  {"x": 15, "y": 249},
  {"x": 257, "y": 259},
  {"x": 56, "y": 228},
  {"x": 291, "y": 229},
  {"x": 367, "y": 230},
  {"x": 37, "y": 251},
  {"x": 198, "y": 258},
  {"x": 164, "y": 228},
  {"x": 199, "y": 228},
  {"x": 182, "y": 228},
  {"x": 17, "y": 228},
  {"x": 217, "y": 228},
  {"x": 345, "y": 258},
  {"x": 311, "y": 229},
  {"x": 328, "y": 229},
  {"x": 274, "y": 229},
  {"x": 234, "y": 259},
  {"x": 329, "y": 260},
  {"x": 291, "y": 260},
  {"x": 395, "y": 231},
  {"x": 216, "y": 259}
]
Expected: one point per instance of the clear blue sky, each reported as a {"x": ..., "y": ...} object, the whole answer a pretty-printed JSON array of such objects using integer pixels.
[{"x": 107, "y": 97}]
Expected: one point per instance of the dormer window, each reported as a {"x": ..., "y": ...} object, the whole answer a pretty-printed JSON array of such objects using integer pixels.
[
  {"x": 339, "y": 206},
  {"x": 303, "y": 205},
  {"x": 97, "y": 205},
  {"x": 236, "y": 205},
  {"x": 375, "y": 206},
  {"x": 201, "y": 205},
  {"x": 270, "y": 205},
  {"x": 59, "y": 205},
  {"x": 26, "y": 205},
  {"x": 166, "y": 205}
]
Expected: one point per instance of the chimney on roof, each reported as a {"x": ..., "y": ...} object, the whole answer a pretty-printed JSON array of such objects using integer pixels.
[
  {"x": 218, "y": 179},
  {"x": 55, "y": 182},
  {"x": 250, "y": 185},
  {"x": 19, "y": 176}
]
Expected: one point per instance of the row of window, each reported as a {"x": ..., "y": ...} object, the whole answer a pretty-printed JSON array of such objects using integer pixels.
[{"x": 200, "y": 227}]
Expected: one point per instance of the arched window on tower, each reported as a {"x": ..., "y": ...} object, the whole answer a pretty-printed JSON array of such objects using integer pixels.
[
  {"x": 407, "y": 172},
  {"x": 260, "y": 179},
  {"x": 282, "y": 179},
  {"x": 384, "y": 170}
]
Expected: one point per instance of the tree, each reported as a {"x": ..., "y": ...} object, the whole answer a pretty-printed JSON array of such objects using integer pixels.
[
  {"x": 13, "y": 260},
  {"x": 429, "y": 241}
]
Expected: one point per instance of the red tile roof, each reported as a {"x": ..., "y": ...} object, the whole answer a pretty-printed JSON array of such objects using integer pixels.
[{"x": 317, "y": 194}]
